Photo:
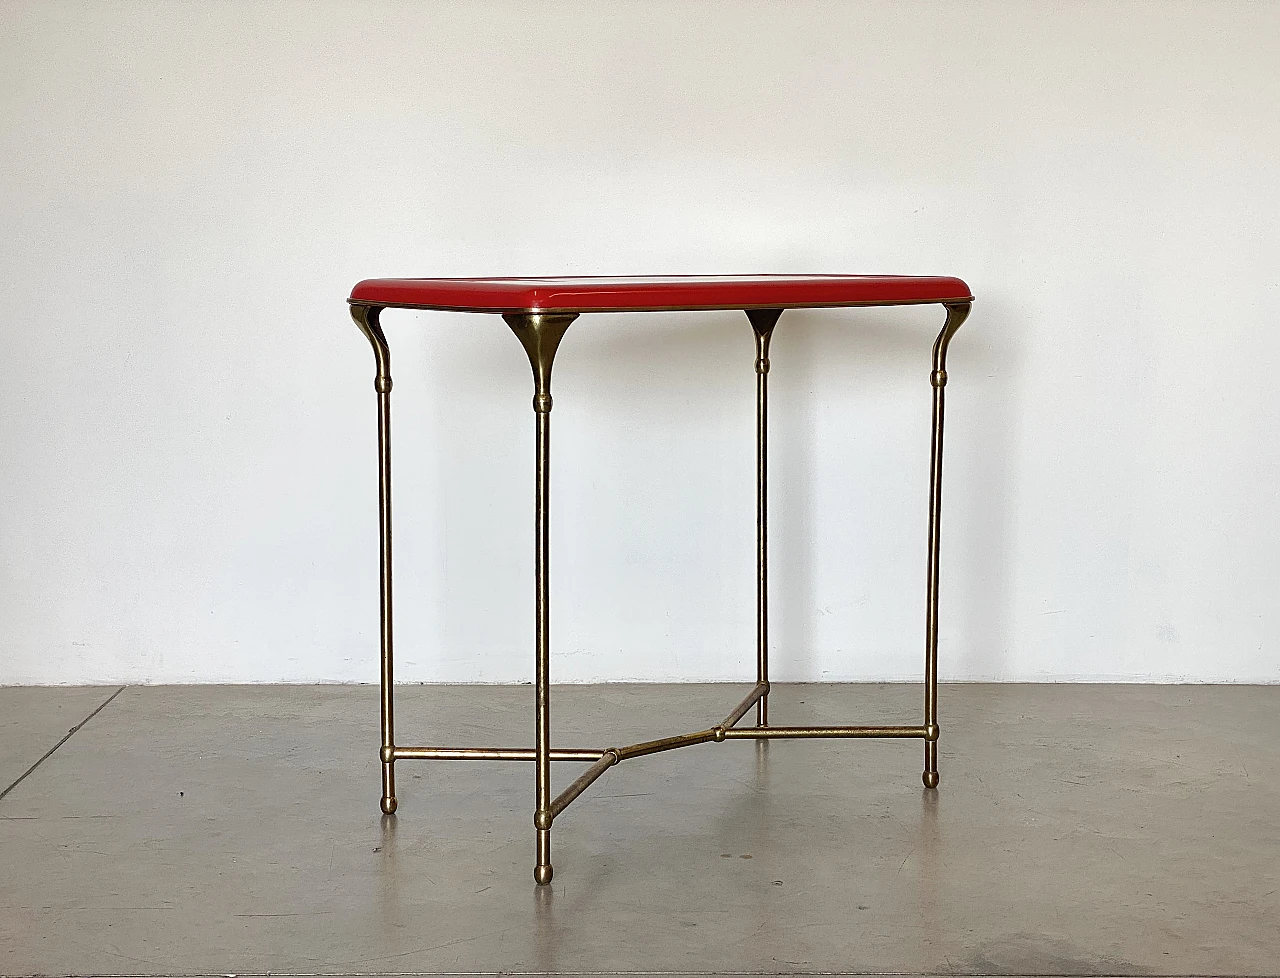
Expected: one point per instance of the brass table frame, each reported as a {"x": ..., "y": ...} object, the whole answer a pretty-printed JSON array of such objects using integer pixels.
[{"x": 540, "y": 334}]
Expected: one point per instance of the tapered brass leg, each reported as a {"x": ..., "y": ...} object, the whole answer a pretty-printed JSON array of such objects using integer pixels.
[
  {"x": 956, "y": 315},
  {"x": 366, "y": 318},
  {"x": 540, "y": 334},
  {"x": 762, "y": 322}
]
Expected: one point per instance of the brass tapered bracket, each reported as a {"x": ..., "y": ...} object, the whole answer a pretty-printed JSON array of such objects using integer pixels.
[
  {"x": 763, "y": 321},
  {"x": 540, "y": 334},
  {"x": 957, "y": 313},
  {"x": 366, "y": 318}
]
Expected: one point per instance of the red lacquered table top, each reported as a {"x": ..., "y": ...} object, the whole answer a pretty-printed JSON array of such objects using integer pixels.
[{"x": 651, "y": 293}]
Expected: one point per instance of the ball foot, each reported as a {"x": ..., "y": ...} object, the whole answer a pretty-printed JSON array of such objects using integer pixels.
[
  {"x": 389, "y": 805},
  {"x": 930, "y": 779},
  {"x": 542, "y": 875}
]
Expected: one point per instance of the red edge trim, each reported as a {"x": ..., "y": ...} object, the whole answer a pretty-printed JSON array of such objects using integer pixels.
[{"x": 518, "y": 310}]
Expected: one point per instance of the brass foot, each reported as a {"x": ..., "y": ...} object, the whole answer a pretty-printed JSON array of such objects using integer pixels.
[
  {"x": 388, "y": 784},
  {"x": 542, "y": 874},
  {"x": 930, "y": 779}
]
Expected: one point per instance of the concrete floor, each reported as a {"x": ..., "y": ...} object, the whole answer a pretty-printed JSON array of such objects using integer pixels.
[{"x": 1078, "y": 830}]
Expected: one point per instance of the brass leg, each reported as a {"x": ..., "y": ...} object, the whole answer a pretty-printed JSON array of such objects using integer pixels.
[
  {"x": 762, "y": 322},
  {"x": 956, "y": 315},
  {"x": 540, "y": 334},
  {"x": 366, "y": 318}
]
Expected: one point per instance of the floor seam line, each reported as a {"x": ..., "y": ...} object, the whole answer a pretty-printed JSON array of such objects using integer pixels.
[{"x": 70, "y": 733}]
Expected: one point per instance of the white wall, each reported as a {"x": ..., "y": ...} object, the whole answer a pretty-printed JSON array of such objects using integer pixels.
[{"x": 187, "y": 488}]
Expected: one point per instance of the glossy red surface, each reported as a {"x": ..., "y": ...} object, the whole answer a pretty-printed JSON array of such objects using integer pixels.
[{"x": 653, "y": 293}]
